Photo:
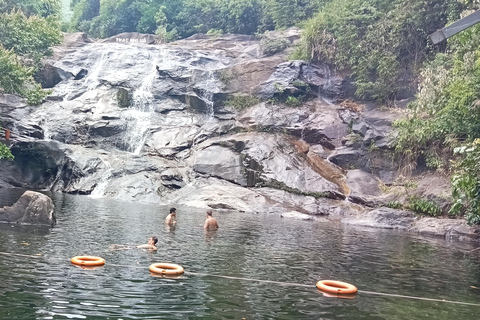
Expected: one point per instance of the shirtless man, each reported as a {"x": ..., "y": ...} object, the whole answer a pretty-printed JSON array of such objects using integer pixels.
[
  {"x": 211, "y": 222},
  {"x": 172, "y": 217},
  {"x": 152, "y": 241}
]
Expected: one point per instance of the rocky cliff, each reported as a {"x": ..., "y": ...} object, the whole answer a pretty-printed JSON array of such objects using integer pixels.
[{"x": 208, "y": 122}]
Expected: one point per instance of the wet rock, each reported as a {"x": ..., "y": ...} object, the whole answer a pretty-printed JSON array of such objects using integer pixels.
[
  {"x": 316, "y": 122},
  {"x": 289, "y": 74},
  {"x": 383, "y": 218},
  {"x": 296, "y": 215},
  {"x": 172, "y": 179},
  {"x": 346, "y": 158},
  {"x": 275, "y": 162},
  {"x": 169, "y": 141},
  {"x": 220, "y": 162},
  {"x": 449, "y": 229},
  {"x": 31, "y": 208},
  {"x": 107, "y": 128},
  {"x": 363, "y": 187},
  {"x": 48, "y": 76},
  {"x": 436, "y": 188},
  {"x": 41, "y": 165}
]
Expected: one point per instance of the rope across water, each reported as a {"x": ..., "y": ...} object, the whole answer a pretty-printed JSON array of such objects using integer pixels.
[{"x": 393, "y": 295}]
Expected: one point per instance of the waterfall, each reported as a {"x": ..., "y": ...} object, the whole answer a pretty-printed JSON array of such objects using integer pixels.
[
  {"x": 99, "y": 190},
  {"x": 207, "y": 95},
  {"x": 139, "y": 116},
  {"x": 91, "y": 80}
]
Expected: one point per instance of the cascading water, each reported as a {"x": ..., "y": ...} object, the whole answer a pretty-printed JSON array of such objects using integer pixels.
[
  {"x": 91, "y": 81},
  {"x": 207, "y": 95},
  {"x": 139, "y": 116},
  {"x": 101, "y": 186}
]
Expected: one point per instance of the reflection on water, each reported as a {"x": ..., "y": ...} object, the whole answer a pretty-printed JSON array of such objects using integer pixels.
[{"x": 246, "y": 246}]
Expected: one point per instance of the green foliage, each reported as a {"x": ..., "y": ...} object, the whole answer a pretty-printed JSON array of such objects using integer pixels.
[
  {"x": 421, "y": 206},
  {"x": 43, "y": 8},
  {"x": 383, "y": 43},
  {"x": 269, "y": 46},
  {"x": 287, "y": 13},
  {"x": 17, "y": 78},
  {"x": 240, "y": 102},
  {"x": 83, "y": 12},
  {"x": 182, "y": 18},
  {"x": 29, "y": 37},
  {"x": 24, "y": 41},
  {"x": 5, "y": 153},
  {"x": 292, "y": 101},
  {"x": 466, "y": 182},
  {"x": 394, "y": 205}
]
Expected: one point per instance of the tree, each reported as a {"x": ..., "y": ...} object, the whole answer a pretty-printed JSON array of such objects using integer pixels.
[
  {"x": 30, "y": 37},
  {"x": 43, "y": 8}
]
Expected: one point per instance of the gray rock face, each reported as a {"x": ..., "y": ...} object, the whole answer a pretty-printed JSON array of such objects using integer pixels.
[
  {"x": 31, "y": 208},
  {"x": 449, "y": 229},
  {"x": 288, "y": 74},
  {"x": 220, "y": 162},
  {"x": 363, "y": 187},
  {"x": 384, "y": 218}
]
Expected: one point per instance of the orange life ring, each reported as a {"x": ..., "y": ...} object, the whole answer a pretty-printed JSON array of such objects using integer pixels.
[
  {"x": 168, "y": 269},
  {"x": 336, "y": 287},
  {"x": 88, "y": 261}
]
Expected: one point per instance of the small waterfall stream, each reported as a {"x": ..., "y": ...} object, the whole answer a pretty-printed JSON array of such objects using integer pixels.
[
  {"x": 207, "y": 94},
  {"x": 101, "y": 186},
  {"x": 139, "y": 115}
]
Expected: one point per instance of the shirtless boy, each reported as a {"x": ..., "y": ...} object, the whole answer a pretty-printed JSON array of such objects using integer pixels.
[
  {"x": 210, "y": 222},
  {"x": 172, "y": 217}
]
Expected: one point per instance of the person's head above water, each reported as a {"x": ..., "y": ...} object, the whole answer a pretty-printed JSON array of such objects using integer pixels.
[
  {"x": 153, "y": 239},
  {"x": 173, "y": 210},
  {"x": 209, "y": 213}
]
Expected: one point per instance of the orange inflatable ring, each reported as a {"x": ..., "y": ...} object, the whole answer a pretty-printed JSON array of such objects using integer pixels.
[
  {"x": 336, "y": 287},
  {"x": 88, "y": 261},
  {"x": 168, "y": 269}
]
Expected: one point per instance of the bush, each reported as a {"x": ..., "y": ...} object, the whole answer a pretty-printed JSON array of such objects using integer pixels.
[
  {"x": 269, "y": 46},
  {"x": 17, "y": 79},
  {"x": 383, "y": 43},
  {"x": 240, "y": 102},
  {"x": 466, "y": 182},
  {"x": 426, "y": 207},
  {"x": 29, "y": 37},
  {"x": 292, "y": 101},
  {"x": 5, "y": 152}
]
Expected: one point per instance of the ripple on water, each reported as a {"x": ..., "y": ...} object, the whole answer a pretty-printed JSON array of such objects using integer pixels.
[{"x": 246, "y": 246}]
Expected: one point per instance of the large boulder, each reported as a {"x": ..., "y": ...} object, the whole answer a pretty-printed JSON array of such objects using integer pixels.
[{"x": 31, "y": 208}]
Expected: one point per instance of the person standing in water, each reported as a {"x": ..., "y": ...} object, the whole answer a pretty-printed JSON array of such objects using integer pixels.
[
  {"x": 172, "y": 217},
  {"x": 210, "y": 222}
]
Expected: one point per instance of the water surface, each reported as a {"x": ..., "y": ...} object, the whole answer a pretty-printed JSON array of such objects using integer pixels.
[{"x": 262, "y": 247}]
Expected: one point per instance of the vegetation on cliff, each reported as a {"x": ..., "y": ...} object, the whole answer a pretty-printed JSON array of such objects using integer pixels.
[
  {"x": 27, "y": 32},
  {"x": 442, "y": 130},
  {"x": 382, "y": 43}
]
